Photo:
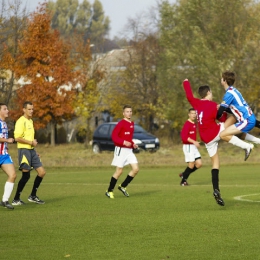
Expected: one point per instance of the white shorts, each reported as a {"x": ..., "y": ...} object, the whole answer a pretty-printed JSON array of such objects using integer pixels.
[
  {"x": 123, "y": 156},
  {"x": 190, "y": 152},
  {"x": 212, "y": 146}
]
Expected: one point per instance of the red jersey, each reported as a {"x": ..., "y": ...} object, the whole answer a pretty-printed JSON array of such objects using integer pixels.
[
  {"x": 206, "y": 115},
  {"x": 123, "y": 131},
  {"x": 189, "y": 130}
]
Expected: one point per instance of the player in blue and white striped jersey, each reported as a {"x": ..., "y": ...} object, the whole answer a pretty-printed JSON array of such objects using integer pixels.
[{"x": 246, "y": 119}]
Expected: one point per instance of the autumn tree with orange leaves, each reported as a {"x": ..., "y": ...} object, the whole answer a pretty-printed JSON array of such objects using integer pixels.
[{"x": 44, "y": 65}]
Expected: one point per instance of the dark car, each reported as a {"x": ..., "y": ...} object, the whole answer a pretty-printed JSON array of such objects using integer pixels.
[{"x": 102, "y": 140}]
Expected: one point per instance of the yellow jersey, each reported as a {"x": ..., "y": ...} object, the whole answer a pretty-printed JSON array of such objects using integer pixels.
[{"x": 24, "y": 129}]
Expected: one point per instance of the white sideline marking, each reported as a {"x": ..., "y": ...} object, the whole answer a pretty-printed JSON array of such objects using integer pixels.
[{"x": 241, "y": 197}]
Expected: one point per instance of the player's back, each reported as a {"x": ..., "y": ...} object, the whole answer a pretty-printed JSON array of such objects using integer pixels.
[{"x": 206, "y": 113}]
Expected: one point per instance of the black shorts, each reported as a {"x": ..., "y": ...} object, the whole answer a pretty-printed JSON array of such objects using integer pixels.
[{"x": 28, "y": 159}]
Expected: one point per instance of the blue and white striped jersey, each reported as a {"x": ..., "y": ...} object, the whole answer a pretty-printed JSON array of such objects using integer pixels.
[{"x": 235, "y": 101}]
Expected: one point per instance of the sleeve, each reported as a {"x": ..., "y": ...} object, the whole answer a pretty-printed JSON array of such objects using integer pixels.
[
  {"x": 185, "y": 132},
  {"x": 189, "y": 95},
  {"x": 115, "y": 134},
  {"x": 19, "y": 129},
  {"x": 227, "y": 100}
]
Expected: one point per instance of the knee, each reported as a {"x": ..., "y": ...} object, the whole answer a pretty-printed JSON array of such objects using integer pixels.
[
  {"x": 198, "y": 165},
  {"x": 12, "y": 177},
  {"x": 41, "y": 172},
  {"x": 135, "y": 170}
]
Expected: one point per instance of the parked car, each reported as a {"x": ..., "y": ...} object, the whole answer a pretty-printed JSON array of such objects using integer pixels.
[{"x": 102, "y": 140}]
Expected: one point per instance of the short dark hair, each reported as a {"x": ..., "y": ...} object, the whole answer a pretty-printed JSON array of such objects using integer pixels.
[
  {"x": 191, "y": 109},
  {"x": 126, "y": 106},
  {"x": 27, "y": 103},
  {"x": 203, "y": 90},
  {"x": 229, "y": 77},
  {"x": 2, "y": 104}
]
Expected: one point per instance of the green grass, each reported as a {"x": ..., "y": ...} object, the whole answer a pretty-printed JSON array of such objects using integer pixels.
[{"x": 160, "y": 220}]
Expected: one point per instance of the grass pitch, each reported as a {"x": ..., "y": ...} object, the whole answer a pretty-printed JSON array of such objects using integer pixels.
[{"x": 160, "y": 220}]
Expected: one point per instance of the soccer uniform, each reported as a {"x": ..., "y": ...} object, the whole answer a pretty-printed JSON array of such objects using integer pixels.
[
  {"x": 234, "y": 100},
  {"x": 189, "y": 130},
  {"x": 5, "y": 158},
  {"x": 123, "y": 155},
  {"x": 209, "y": 129},
  {"x": 27, "y": 156}
]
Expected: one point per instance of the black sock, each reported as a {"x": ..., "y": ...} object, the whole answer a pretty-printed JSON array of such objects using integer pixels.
[
  {"x": 127, "y": 180},
  {"x": 257, "y": 124},
  {"x": 21, "y": 184},
  {"x": 215, "y": 179},
  {"x": 186, "y": 174},
  {"x": 112, "y": 184},
  {"x": 36, "y": 185},
  {"x": 194, "y": 169}
]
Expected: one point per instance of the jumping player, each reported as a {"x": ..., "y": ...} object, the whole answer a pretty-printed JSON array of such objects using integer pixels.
[
  {"x": 210, "y": 130},
  {"x": 190, "y": 147},
  {"x": 234, "y": 101},
  {"x": 122, "y": 137}
]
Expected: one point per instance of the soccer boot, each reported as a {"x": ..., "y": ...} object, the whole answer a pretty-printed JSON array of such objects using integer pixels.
[
  {"x": 124, "y": 191},
  {"x": 6, "y": 204},
  {"x": 180, "y": 175},
  {"x": 110, "y": 194},
  {"x": 218, "y": 198},
  {"x": 184, "y": 183},
  {"x": 17, "y": 202},
  {"x": 35, "y": 199},
  {"x": 248, "y": 151}
]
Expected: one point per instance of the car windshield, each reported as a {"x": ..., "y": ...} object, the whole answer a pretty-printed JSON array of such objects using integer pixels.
[{"x": 139, "y": 129}]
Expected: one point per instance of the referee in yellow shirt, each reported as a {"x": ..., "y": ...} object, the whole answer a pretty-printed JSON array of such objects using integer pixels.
[{"x": 28, "y": 159}]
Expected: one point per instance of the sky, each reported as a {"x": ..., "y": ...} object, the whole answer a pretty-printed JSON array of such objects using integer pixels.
[{"x": 118, "y": 11}]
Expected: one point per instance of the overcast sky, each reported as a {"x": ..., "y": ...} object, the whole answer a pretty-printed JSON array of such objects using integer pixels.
[{"x": 118, "y": 11}]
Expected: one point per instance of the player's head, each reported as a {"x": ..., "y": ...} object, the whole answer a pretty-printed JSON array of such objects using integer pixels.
[
  {"x": 127, "y": 112},
  {"x": 205, "y": 92},
  {"x": 229, "y": 77},
  {"x": 3, "y": 111},
  {"x": 28, "y": 109},
  {"x": 192, "y": 114}
]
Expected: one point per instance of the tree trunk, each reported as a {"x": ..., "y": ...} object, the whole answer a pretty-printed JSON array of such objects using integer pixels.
[{"x": 52, "y": 124}]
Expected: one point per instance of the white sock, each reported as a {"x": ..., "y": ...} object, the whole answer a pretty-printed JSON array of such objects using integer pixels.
[
  {"x": 252, "y": 138},
  {"x": 8, "y": 190},
  {"x": 237, "y": 142}
]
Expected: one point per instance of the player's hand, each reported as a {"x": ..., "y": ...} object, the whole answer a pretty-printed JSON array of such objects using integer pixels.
[
  {"x": 197, "y": 144},
  {"x": 185, "y": 80},
  {"x": 218, "y": 106},
  {"x": 135, "y": 146},
  {"x": 34, "y": 143},
  {"x": 10, "y": 140},
  {"x": 127, "y": 144}
]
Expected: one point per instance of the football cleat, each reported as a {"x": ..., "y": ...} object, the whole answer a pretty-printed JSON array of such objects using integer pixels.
[
  {"x": 124, "y": 191},
  {"x": 17, "y": 202},
  {"x": 180, "y": 175},
  {"x": 6, "y": 204},
  {"x": 110, "y": 194},
  {"x": 248, "y": 151},
  {"x": 35, "y": 199},
  {"x": 184, "y": 183},
  {"x": 218, "y": 198}
]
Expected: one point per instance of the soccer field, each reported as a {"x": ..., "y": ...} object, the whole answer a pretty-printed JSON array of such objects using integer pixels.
[{"x": 160, "y": 220}]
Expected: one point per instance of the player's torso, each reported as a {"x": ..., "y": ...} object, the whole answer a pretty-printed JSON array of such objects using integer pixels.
[{"x": 206, "y": 116}]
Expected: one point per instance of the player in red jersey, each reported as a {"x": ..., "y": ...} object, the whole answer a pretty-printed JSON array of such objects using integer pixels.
[
  {"x": 122, "y": 137},
  {"x": 190, "y": 147},
  {"x": 210, "y": 130}
]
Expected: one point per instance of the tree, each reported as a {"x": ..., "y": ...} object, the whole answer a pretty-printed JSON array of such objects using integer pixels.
[
  {"x": 43, "y": 62},
  {"x": 135, "y": 80},
  {"x": 201, "y": 39},
  {"x": 89, "y": 20},
  {"x": 12, "y": 22},
  {"x": 87, "y": 101}
]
